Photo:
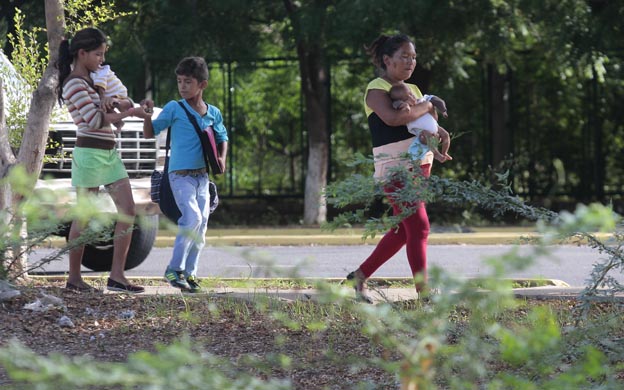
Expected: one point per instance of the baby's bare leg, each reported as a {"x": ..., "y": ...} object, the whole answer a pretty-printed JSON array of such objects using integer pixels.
[
  {"x": 445, "y": 143},
  {"x": 433, "y": 142}
]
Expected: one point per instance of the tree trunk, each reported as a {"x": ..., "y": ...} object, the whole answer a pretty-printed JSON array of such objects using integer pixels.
[
  {"x": 314, "y": 82},
  {"x": 35, "y": 135},
  {"x": 501, "y": 146},
  {"x": 7, "y": 160},
  {"x": 314, "y": 78}
]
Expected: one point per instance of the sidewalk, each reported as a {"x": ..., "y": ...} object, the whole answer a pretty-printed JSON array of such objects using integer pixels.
[
  {"x": 315, "y": 236},
  {"x": 556, "y": 290}
]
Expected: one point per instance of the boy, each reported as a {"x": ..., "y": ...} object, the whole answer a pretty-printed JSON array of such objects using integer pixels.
[
  {"x": 402, "y": 98},
  {"x": 187, "y": 168},
  {"x": 108, "y": 85}
]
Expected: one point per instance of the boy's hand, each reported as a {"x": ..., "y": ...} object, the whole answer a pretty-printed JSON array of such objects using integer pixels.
[
  {"x": 221, "y": 162},
  {"x": 140, "y": 112},
  {"x": 147, "y": 105}
]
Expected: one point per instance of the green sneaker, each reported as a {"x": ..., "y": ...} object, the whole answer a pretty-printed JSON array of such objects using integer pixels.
[
  {"x": 176, "y": 279},
  {"x": 194, "y": 284}
]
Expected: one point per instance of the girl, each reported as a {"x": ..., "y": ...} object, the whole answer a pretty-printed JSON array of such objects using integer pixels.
[{"x": 95, "y": 160}]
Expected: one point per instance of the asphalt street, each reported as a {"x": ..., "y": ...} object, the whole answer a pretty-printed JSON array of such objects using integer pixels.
[{"x": 569, "y": 263}]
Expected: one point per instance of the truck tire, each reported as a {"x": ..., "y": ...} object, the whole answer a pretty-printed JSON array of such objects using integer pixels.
[{"x": 100, "y": 257}]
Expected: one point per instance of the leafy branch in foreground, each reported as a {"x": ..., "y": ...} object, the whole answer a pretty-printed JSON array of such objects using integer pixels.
[
  {"x": 498, "y": 199},
  {"x": 466, "y": 332},
  {"x": 177, "y": 366},
  {"x": 46, "y": 212}
]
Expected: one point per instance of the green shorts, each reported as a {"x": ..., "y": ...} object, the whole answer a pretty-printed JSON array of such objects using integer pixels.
[{"x": 95, "y": 167}]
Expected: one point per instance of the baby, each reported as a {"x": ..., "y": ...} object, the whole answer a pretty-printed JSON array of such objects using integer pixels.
[
  {"x": 108, "y": 85},
  {"x": 402, "y": 99}
]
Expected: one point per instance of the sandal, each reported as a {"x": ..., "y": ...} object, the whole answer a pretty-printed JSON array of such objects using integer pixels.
[
  {"x": 113, "y": 285},
  {"x": 84, "y": 287},
  {"x": 359, "y": 285}
]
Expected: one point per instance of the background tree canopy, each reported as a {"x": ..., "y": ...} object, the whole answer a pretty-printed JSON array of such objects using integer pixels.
[{"x": 533, "y": 87}]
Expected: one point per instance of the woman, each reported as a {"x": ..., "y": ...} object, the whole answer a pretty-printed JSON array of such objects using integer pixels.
[
  {"x": 95, "y": 161},
  {"x": 395, "y": 59}
]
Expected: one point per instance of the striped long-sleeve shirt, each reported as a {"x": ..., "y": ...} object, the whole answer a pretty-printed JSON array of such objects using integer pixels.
[{"x": 83, "y": 104}]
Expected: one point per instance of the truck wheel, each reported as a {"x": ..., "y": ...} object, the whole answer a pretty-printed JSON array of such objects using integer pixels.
[{"x": 100, "y": 257}]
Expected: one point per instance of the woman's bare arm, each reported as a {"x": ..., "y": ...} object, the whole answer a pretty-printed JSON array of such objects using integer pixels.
[{"x": 379, "y": 101}]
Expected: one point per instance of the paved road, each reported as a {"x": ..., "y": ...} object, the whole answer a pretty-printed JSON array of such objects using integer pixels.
[{"x": 571, "y": 264}]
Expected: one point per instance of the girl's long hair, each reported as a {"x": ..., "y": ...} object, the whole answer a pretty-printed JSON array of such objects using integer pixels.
[{"x": 87, "y": 39}]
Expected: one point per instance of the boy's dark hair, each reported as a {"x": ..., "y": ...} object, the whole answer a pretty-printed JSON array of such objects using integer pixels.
[{"x": 194, "y": 67}]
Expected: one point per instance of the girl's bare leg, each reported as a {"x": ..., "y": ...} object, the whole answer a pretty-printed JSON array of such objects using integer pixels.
[
  {"x": 121, "y": 193},
  {"x": 75, "y": 255}
]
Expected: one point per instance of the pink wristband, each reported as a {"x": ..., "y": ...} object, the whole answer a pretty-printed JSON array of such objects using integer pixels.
[{"x": 132, "y": 111}]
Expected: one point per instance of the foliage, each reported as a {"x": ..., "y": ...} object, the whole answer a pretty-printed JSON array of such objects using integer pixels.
[
  {"x": 177, "y": 366},
  {"x": 355, "y": 196},
  {"x": 89, "y": 13},
  {"x": 457, "y": 337},
  {"x": 30, "y": 57},
  {"x": 452, "y": 337},
  {"x": 43, "y": 210},
  {"x": 563, "y": 127}
]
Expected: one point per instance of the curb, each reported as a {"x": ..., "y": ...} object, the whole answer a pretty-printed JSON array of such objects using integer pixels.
[
  {"x": 220, "y": 237},
  {"x": 543, "y": 289}
]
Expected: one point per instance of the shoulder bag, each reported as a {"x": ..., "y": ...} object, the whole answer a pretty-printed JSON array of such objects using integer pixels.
[{"x": 208, "y": 143}]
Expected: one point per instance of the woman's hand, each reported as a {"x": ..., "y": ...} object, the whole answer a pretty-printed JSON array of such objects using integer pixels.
[{"x": 108, "y": 103}]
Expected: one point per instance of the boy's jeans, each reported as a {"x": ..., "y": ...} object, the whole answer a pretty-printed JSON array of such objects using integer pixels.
[{"x": 193, "y": 199}]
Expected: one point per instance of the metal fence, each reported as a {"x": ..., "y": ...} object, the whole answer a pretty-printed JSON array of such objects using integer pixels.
[{"x": 560, "y": 141}]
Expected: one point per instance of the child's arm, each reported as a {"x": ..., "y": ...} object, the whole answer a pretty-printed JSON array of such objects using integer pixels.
[
  {"x": 439, "y": 104},
  {"x": 123, "y": 104},
  {"x": 145, "y": 112},
  {"x": 222, "y": 154}
]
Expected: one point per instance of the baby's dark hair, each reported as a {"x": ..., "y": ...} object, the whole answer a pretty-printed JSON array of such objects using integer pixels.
[
  {"x": 398, "y": 90},
  {"x": 87, "y": 39},
  {"x": 194, "y": 67},
  {"x": 385, "y": 45}
]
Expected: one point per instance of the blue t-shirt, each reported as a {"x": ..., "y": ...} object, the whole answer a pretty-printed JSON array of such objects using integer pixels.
[{"x": 186, "y": 151}]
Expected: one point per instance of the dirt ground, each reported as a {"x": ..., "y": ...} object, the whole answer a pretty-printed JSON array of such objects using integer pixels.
[{"x": 109, "y": 327}]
